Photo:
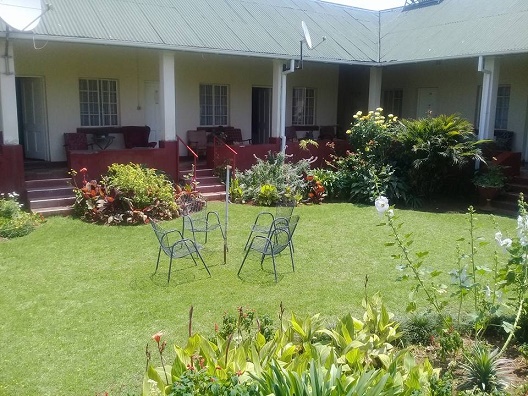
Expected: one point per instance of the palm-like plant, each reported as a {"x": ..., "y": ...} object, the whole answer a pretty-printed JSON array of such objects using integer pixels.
[
  {"x": 435, "y": 148},
  {"x": 484, "y": 369}
]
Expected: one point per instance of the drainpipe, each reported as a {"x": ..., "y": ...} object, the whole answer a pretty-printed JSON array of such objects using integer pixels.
[{"x": 285, "y": 72}]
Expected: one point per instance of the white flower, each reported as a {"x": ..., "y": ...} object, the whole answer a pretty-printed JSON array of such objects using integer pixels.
[
  {"x": 523, "y": 240},
  {"x": 506, "y": 243},
  {"x": 382, "y": 204},
  {"x": 390, "y": 213},
  {"x": 488, "y": 291},
  {"x": 498, "y": 237}
]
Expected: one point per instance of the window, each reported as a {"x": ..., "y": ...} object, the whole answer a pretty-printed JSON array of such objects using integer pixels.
[
  {"x": 303, "y": 106},
  {"x": 503, "y": 106},
  {"x": 214, "y": 104},
  {"x": 392, "y": 101},
  {"x": 98, "y": 99}
]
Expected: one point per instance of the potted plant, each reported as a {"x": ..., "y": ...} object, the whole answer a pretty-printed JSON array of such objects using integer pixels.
[{"x": 489, "y": 182}]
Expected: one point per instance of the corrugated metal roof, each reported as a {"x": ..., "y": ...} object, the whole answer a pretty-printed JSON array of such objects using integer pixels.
[
  {"x": 272, "y": 28},
  {"x": 454, "y": 29}
]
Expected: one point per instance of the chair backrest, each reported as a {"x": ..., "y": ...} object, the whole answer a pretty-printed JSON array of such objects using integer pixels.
[
  {"x": 292, "y": 225},
  {"x": 163, "y": 236},
  {"x": 75, "y": 141},
  {"x": 197, "y": 139},
  {"x": 291, "y": 134},
  {"x": 327, "y": 132},
  {"x": 233, "y": 135},
  {"x": 136, "y": 136},
  {"x": 191, "y": 204},
  {"x": 285, "y": 210}
]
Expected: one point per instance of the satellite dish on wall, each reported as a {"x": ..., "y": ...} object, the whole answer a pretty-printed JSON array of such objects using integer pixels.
[
  {"x": 22, "y": 15},
  {"x": 307, "y": 38}
]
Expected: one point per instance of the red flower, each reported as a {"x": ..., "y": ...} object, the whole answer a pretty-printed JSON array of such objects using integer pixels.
[
  {"x": 157, "y": 337},
  {"x": 216, "y": 327},
  {"x": 110, "y": 199}
]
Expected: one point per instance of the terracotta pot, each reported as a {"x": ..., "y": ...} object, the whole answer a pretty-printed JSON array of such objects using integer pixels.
[{"x": 488, "y": 193}]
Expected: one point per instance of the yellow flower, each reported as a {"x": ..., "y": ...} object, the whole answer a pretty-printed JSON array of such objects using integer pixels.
[
  {"x": 391, "y": 115},
  {"x": 348, "y": 132},
  {"x": 379, "y": 109}
]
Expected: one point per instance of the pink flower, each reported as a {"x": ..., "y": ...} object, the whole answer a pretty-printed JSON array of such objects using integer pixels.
[
  {"x": 157, "y": 337},
  {"x": 83, "y": 170}
]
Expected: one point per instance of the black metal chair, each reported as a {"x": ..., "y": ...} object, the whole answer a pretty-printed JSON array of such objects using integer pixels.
[
  {"x": 196, "y": 218},
  {"x": 279, "y": 238},
  {"x": 264, "y": 220},
  {"x": 174, "y": 245}
]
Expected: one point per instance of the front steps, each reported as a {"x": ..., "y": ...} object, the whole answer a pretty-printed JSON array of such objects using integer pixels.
[
  {"x": 50, "y": 197},
  {"x": 207, "y": 183},
  {"x": 507, "y": 202}
]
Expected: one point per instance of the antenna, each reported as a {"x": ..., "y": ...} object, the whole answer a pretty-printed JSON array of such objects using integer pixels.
[
  {"x": 22, "y": 15},
  {"x": 307, "y": 38}
]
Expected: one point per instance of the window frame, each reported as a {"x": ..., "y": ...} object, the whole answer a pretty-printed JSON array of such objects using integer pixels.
[
  {"x": 99, "y": 102},
  {"x": 304, "y": 113},
  {"x": 392, "y": 101},
  {"x": 502, "y": 110},
  {"x": 214, "y": 105}
]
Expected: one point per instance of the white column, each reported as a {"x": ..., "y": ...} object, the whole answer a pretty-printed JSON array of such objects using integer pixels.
[
  {"x": 8, "y": 102},
  {"x": 167, "y": 96},
  {"x": 375, "y": 88},
  {"x": 276, "y": 99},
  {"x": 490, "y": 66}
]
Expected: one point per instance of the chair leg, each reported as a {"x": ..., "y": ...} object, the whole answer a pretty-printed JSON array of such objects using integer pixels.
[
  {"x": 274, "y": 266},
  {"x": 170, "y": 268},
  {"x": 203, "y": 262},
  {"x": 157, "y": 262},
  {"x": 291, "y": 255},
  {"x": 243, "y": 261},
  {"x": 247, "y": 242}
]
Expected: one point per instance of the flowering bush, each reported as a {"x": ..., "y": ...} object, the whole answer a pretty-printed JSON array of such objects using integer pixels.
[
  {"x": 127, "y": 194},
  {"x": 14, "y": 222},
  {"x": 272, "y": 180},
  {"x": 316, "y": 191}
]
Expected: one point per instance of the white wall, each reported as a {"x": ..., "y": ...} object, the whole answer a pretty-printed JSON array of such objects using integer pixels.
[
  {"x": 457, "y": 82},
  {"x": 63, "y": 64}
]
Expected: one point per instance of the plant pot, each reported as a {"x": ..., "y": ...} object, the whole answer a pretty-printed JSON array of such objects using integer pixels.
[{"x": 487, "y": 194}]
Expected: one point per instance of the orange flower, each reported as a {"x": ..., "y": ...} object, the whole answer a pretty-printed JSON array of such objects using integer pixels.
[
  {"x": 309, "y": 177},
  {"x": 110, "y": 199},
  {"x": 311, "y": 195},
  {"x": 157, "y": 337}
]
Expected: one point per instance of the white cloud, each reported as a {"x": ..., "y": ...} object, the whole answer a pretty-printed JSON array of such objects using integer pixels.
[{"x": 371, "y": 4}]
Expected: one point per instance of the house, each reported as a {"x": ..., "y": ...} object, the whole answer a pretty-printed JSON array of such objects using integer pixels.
[{"x": 177, "y": 65}]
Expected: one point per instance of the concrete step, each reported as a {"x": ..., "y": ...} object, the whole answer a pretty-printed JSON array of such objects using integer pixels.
[
  {"x": 214, "y": 196},
  {"x": 48, "y": 183},
  {"x": 58, "y": 211},
  {"x": 57, "y": 192},
  {"x": 36, "y": 205}
]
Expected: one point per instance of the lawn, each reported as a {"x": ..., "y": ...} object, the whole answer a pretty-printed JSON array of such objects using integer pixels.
[{"x": 79, "y": 303}]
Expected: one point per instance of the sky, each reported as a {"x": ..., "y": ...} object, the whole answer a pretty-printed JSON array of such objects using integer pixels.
[{"x": 371, "y": 4}]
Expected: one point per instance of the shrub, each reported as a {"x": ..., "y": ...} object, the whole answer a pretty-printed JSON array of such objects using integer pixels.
[
  {"x": 420, "y": 329},
  {"x": 127, "y": 194},
  {"x": 272, "y": 180},
  {"x": 435, "y": 152},
  {"x": 14, "y": 222}
]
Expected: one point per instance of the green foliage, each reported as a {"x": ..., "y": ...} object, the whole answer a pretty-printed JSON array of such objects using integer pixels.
[
  {"x": 491, "y": 176},
  {"x": 303, "y": 357},
  {"x": 267, "y": 196},
  {"x": 14, "y": 222},
  {"x": 316, "y": 191},
  {"x": 484, "y": 370},
  {"x": 199, "y": 382},
  {"x": 420, "y": 329},
  {"x": 245, "y": 324},
  {"x": 329, "y": 179},
  {"x": 127, "y": 194},
  {"x": 435, "y": 151},
  {"x": 273, "y": 180}
]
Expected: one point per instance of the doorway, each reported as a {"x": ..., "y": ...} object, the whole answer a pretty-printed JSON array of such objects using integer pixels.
[
  {"x": 427, "y": 102},
  {"x": 153, "y": 110},
  {"x": 32, "y": 121},
  {"x": 260, "y": 115}
]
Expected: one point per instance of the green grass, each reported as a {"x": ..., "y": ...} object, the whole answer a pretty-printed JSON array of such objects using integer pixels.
[{"x": 79, "y": 304}]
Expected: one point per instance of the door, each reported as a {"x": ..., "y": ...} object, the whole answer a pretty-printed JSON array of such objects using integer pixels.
[
  {"x": 153, "y": 110},
  {"x": 261, "y": 115},
  {"x": 427, "y": 102},
  {"x": 33, "y": 129}
]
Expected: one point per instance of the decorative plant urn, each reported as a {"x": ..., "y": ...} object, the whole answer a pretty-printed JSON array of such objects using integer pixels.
[{"x": 487, "y": 194}]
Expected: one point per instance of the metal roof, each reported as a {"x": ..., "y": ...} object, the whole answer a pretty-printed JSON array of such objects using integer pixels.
[
  {"x": 272, "y": 28},
  {"x": 264, "y": 28},
  {"x": 454, "y": 29}
]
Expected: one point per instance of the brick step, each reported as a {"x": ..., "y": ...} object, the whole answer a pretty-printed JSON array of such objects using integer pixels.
[{"x": 214, "y": 196}]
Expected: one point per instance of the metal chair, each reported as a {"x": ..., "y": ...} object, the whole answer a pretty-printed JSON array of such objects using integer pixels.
[
  {"x": 279, "y": 237},
  {"x": 175, "y": 245},
  {"x": 196, "y": 218},
  {"x": 265, "y": 219}
]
